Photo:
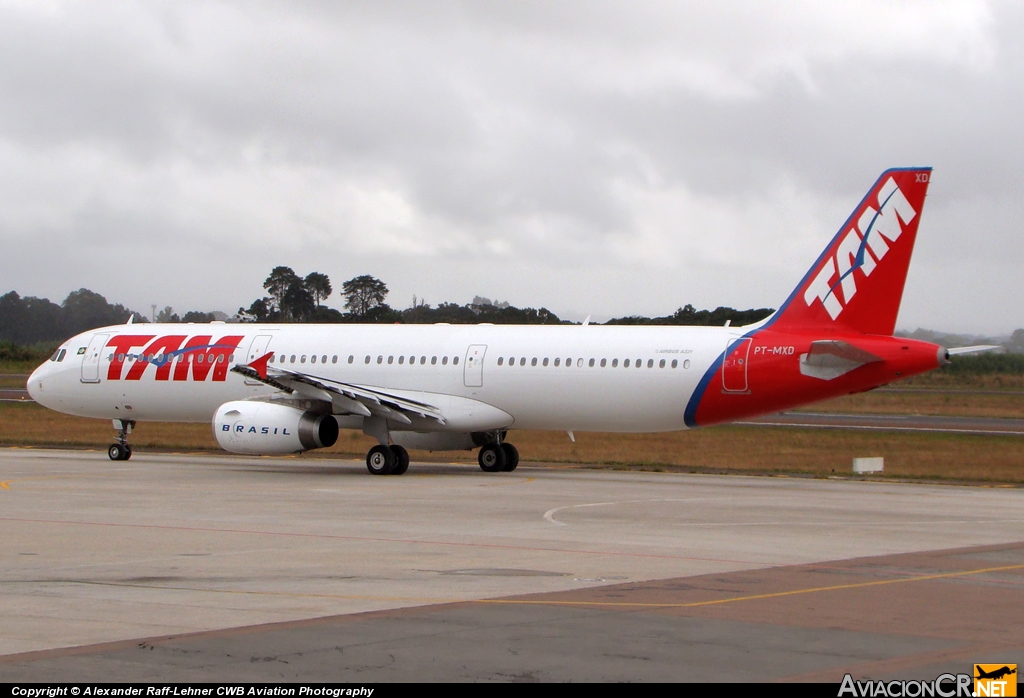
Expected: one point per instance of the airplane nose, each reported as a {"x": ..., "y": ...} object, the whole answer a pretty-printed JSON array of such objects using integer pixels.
[{"x": 35, "y": 383}]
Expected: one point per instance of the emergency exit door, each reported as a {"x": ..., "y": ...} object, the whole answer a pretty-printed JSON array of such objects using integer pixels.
[
  {"x": 91, "y": 360},
  {"x": 734, "y": 369},
  {"x": 474, "y": 371}
]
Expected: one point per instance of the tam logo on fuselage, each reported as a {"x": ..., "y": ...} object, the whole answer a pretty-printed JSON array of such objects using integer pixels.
[
  {"x": 195, "y": 359},
  {"x": 861, "y": 248}
]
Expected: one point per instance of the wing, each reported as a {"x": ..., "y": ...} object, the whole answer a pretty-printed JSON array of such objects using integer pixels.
[{"x": 346, "y": 398}]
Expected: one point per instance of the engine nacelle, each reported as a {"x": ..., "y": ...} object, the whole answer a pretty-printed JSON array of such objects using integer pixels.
[{"x": 271, "y": 429}]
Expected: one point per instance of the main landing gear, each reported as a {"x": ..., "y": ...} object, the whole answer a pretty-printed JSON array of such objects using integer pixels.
[
  {"x": 387, "y": 460},
  {"x": 121, "y": 450},
  {"x": 498, "y": 457},
  {"x": 394, "y": 459}
]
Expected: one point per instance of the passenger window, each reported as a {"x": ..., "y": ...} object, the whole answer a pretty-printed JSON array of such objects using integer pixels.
[
  {"x": 533, "y": 361},
  {"x": 545, "y": 362},
  {"x": 511, "y": 361},
  {"x": 558, "y": 361},
  {"x": 661, "y": 364},
  {"x": 367, "y": 360},
  {"x": 615, "y": 363},
  {"x": 639, "y": 363},
  {"x": 591, "y": 363},
  {"x": 433, "y": 360},
  {"x": 323, "y": 359},
  {"x": 220, "y": 359},
  {"x": 312, "y": 359},
  {"x": 675, "y": 362},
  {"x": 380, "y": 359},
  {"x": 302, "y": 359},
  {"x": 579, "y": 362},
  {"x": 391, "y": 359},
  {"x": 334, "y": 359},
  {"x": 444, "y": 360},
  {"x": 625, "y": 364},
  {"x": 401, "y": 360},
  {"x": 522, "y": 361},
  {"x": 604, "y": 362},
  {"x": 686, "y": 363},
  {"x": 501, "y": 360},
  {"x": 292, "y": 358},
  {"x": 423, "y": 360},
  {"x": 650, "y": 363},
  {"x": 455, "y": 361}
]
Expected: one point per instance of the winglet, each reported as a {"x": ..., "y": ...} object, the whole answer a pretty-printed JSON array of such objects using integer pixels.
[{"x": 260, "y": 365}]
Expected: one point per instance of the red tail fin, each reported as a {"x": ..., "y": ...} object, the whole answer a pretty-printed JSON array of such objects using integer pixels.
[{"x": 857, "y": 282}]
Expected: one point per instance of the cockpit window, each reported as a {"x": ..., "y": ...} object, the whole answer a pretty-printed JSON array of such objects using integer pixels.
[
  {"x": 55, "y": 354},
  {"x": 61, "y": 355}
]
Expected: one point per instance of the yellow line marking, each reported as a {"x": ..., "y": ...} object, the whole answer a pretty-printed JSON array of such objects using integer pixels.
[
  {"x": 5, "y": 485},
  {"x": 754, "y": 597},
  {"x": 503, "y": 483},
  {"x": 602, "y": 604}
]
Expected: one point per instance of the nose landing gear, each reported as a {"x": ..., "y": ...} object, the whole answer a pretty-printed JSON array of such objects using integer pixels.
[{"x": 121, "y": 450}]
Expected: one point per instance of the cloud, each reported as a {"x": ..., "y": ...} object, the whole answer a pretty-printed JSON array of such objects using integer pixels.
[{"x": 611, "y": 158}]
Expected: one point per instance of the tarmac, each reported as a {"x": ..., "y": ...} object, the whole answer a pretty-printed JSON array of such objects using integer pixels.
[{"x": 216, "y": 568}]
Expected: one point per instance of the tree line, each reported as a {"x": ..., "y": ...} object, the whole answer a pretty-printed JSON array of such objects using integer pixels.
[
  {"x": 30, "y": 320},
  {"x": 291, "y": 298},
  {"x": 31, "y": 327}
]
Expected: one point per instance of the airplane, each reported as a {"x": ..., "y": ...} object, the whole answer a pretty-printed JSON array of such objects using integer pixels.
[
  {"x": 274, "y": 389},
  {"x": 994, "y": 674}
]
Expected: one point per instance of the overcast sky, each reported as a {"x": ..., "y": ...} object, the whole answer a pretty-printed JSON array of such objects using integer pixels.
[{"x": 598, "y": 158}]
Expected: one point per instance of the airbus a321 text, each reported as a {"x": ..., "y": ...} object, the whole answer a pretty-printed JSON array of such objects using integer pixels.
[{"x": 277, "y": 389}]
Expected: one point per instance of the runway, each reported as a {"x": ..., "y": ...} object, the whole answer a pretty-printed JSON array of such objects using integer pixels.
[
  {"x": 890, "y": 422},
  {"x": 206, "y": 568}
]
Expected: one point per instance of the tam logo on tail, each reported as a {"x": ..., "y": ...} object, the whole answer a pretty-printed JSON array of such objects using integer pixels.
[
  {"x": 858, "y": 280},
  {"x": 862, "y": 248}
]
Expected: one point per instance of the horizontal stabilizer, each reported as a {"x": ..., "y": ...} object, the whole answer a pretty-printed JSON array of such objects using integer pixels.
[
  {"x": 957, "y": 351},
  {"x": 831, "y": 358}
]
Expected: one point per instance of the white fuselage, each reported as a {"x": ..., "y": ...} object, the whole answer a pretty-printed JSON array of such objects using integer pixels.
[{"x": 599, "y": 378}]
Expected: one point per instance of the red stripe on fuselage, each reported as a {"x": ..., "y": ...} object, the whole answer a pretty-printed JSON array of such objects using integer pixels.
[{"x": 774, "y": 381}]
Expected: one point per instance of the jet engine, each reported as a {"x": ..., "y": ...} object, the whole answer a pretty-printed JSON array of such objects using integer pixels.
[{"x": 269, "y": 428}]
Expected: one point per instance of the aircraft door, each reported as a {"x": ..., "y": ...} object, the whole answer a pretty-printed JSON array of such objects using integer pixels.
[
  {"x": 257, "y": 349},
  {"x": 91, "y": 360},
  {"x": 734, "y": 370},
  {"x": 474, "y": 371}
]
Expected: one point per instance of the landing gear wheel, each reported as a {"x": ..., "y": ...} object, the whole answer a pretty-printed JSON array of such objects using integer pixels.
[
  {"x": 380, "y": 460},
  {"x": 492, "y": 458},
  {"x": 121, "y": 450},
  {"x": 401, "y": 460},
  {"x": 511, "y": 457}
]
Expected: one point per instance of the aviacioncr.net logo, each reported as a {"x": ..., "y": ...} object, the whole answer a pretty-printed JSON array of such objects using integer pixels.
[{"x": 943, "y": 686}]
